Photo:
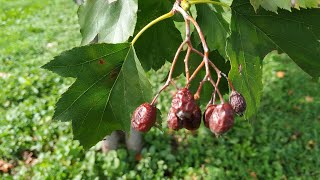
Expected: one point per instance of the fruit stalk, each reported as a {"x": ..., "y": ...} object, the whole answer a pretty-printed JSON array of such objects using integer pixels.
[
  {"x": 203, "y": 41},
  {"x": 215, "y": 68},
  {"x": 170, "y": 72},
  {"x": 205, "y": 55},
  {"x": 189, "y": 50}
]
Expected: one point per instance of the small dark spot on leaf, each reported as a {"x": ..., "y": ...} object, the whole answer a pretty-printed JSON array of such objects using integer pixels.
[
  {"x": 101, "y": 61},
  {"x": 114, "y": 73}
]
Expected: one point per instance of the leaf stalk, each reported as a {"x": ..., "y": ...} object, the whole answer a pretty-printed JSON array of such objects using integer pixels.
[{"x": 161, "y": 18}]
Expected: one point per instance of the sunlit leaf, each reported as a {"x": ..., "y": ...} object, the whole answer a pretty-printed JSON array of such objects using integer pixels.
[
  {"x": 113, "y": 21},
  {"x": 254, "y": 35},
  {"x": 110, "y": 84}
]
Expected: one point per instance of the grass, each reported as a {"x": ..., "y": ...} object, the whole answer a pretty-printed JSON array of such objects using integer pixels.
[{"x": 281, "y": 142}]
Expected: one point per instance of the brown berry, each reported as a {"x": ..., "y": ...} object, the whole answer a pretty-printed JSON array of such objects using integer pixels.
[
  {"x": 207, "y": 114},
  {"x": 183, "y": 103},
  {"x": 144, "y": 117},
  {"x": 194, "y": 122},
  {"x": 222, "y": 119},
  {"x": 238, "y": 103}
]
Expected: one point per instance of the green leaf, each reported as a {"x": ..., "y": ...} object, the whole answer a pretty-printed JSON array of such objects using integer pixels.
[
  {"x": 113, "y": 21},
  {"x": 306, "y": 4},
  {"x": 256, "y": 34},
  {"x": 272, "y": 5},
  {"x": 245, "y": 73},
  {"x": 160, "y": 42},
  {"x": 214, "y": 26},
  {"x": 110, "y": 84}
]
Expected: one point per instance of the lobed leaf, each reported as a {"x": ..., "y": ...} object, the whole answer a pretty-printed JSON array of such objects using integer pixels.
[
  {"x": 110, "y": 84},
  {"x": 254, "y": 35},
  {"x": 113, "y": 21},
  {"x": 272, "y": 5}
]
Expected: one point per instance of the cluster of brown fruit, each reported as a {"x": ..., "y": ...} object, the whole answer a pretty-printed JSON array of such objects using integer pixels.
[{"x": 185, "y": 113}]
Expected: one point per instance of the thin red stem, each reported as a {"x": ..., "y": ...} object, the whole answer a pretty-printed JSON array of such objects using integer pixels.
[
  {"x": 170, "y": 72},
  {"x": 197, "y": 94},
  {"x": 218, "y": 92},
  {"x": 229, "y": 81},
  {"x": 186, "y": 59},
  {"x": 196, "y": 72},
  {"x": 202, "y": 38}
]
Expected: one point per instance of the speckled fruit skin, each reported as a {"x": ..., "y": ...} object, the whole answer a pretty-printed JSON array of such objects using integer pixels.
[
  {"x": 193, "y": 123},
  {"x": 208, "y": 113},
  {"x": 238, "y": 103},
  {"x": 174, "y": 122},
  {"x": 183, "y": 103},
  {"x": 144, "y": 117},
  {"x": 222, "y": 119}
]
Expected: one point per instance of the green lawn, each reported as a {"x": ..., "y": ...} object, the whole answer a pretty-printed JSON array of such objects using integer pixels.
[{"x": 280, "y": 142}]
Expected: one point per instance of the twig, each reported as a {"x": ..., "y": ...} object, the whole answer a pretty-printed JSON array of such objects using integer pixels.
[
  {"x": 196, "y": 72},
  {"x": 186, "y": 59},
  {"x": 170, "y": 72},
  {"x": 203, "y": 41},
  {"x": 229, "y": 81},
  {"x": 210, "y": 62},
  {"x": 205, "y": 55},
  {"x": 197, "y": 94},
  {"x": 186, "y": 63},
  {"x": 216, "y": 88}
]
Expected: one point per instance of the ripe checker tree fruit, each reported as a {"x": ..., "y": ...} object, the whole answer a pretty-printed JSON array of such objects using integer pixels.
[
  {"x": 183, "y": 103},
  {"x": 222, "y": 119},
  {"x": 194, "y": 121},
  {"x": 144, "y": 117},
  {"x": 174, "y": 122},
  {"x": 237, "y": 102},
  {"x": 207, "y": 114},
  {"x": 184, "y": 111}
]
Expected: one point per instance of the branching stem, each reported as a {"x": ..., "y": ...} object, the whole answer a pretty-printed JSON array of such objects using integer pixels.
[
  {"x": 217, "y": 71},
  {"x": 205, "y": 55},
  {"x": 169, "y": 80},
  {"x": 205, "y": 62}
]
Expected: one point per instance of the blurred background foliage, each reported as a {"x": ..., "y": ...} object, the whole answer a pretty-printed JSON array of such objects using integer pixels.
[{"x": 280, "y": 142}]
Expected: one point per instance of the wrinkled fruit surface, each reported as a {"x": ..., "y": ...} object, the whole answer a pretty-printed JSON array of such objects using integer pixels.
[
  {"x": 184, "y": 111},
  {"x": 238, "y": 103},
  {"x": 183, "y": 103},
  {"x": 173, "y": 121},
  {"x": 194, "y": 121},
  {"x": 144, "y": 117},
  {"x": 207, "y": 114},
  {"x": 222, "y": 119}
]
